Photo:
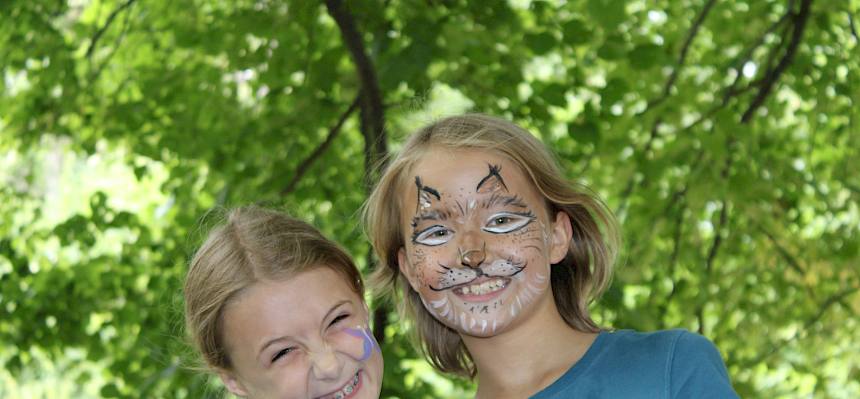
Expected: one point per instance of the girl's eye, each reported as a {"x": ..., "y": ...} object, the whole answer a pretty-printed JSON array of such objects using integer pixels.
[
  {"x": 338, "y": 319},
  {"x": 433, "y": 235},
  {"x": 282, "y": 353},
  {"x": 507, "y": 222}
]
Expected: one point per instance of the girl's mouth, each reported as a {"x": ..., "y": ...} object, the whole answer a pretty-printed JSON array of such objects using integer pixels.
[
  {"x": 482, "y": 289},
  {"x": 348, "y": 390}
]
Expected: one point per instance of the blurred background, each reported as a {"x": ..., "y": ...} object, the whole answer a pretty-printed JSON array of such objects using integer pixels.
[{"x": 724, "y": 134}]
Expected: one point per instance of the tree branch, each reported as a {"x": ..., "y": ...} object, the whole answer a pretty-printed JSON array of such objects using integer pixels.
[
  {"x": 372, "y": 108},
  {"x": 107, "y": 24},
  {"x": 718, "y": 237},
  {"x": 852, "y": 28},
  {"x": 792, "y": 261},
  {"x": 771, "y": 76},
  {"x": 317, "y": 152},
  {"x": 628, "y": 189},
  {"x": 372, "y": 114},
  {"x": 822, "y": 309},
  {"x": 98, "y": 71},
  {"x": 731, "y": 90},
  {"x": 747, "y": 54},
  {"x": 682, "y": 56},
  {"x": 712, "y": 254}
]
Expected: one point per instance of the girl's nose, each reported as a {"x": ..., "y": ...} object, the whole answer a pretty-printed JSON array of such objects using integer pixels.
[
  {"x": 325, "y": 364},
  {"x": 473, "y": 257}
]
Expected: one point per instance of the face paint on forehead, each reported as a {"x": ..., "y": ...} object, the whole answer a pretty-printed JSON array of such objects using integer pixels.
[
  {"x": 503, "y": 200},
  {"x": 424, "y": 194},
  {"x": 493, "y": 181}
]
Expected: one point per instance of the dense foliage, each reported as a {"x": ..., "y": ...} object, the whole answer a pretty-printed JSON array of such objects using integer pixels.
[{"x": 724, "y": 134}]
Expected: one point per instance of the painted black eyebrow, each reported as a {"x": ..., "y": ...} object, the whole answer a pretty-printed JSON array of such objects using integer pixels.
[
  {"x": 504, "y": 200},
  {"x": 494, "y": 172},
  {"x": 427, "y": 189},
  {"x": 431, "y": 215}
]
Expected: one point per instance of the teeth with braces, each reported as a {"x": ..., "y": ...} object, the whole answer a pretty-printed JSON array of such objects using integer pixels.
[
  {"x": 347, "y": 390},
  {"x": 483, "y": 288}
]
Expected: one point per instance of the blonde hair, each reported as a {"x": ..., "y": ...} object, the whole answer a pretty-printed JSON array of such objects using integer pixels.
[
  {"x": 576, "y": 281},
  {"x": 251, "y": 245}
]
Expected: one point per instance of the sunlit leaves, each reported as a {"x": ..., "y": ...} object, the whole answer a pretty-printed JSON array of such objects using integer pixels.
[{"x": 219, "y": 102}]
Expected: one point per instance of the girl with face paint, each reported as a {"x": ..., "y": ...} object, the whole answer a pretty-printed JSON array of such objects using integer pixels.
[
  {"x": 497, "y": 257},
  {"x": 277, "y": 311}
]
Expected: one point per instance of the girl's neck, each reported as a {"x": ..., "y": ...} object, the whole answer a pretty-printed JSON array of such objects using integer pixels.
[{"x": 529, "y": 356}]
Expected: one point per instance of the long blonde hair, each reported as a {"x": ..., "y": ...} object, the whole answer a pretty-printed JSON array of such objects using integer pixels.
[
  {"x": 576, "y": 281},
  {"x": 251, "y": 245}
]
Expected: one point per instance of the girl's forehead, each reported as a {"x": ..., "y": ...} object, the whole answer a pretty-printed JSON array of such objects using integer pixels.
[
  {"x": 443, "y": 177},
  {"x": 460, "y": 171}
]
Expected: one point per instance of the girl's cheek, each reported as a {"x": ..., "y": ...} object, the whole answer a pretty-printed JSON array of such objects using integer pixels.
[
  {"x": 357, "y": 342},
  {"x": 426, "y": 263}
]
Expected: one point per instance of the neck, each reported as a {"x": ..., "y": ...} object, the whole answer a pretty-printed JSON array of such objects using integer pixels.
[{"x": 528, "y": 356}]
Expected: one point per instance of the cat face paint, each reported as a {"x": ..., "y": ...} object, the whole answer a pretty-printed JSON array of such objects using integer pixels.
[{"x": 478, "y": 241}]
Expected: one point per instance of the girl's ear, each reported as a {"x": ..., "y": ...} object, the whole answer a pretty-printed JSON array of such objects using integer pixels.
[
  {"x": 232, "y": 383},
  {"x": 406, "y": 268},
  {"x": 561, "y": 234}
]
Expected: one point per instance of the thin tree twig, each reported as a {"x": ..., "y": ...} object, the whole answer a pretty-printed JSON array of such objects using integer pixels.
[
  {"x": 852, "y": 28},
  {"x": 771, "y": 76},
  {"x": 712, "y": 255},
  {"x": 731, "y": 90},
  {"x": 317, "y": 152},
  {"x": 718, "y": 236},
  {"x": 125, "y": 24},
  {"x": 676, "y": 246},
  {"x": 836, "y": 298},
  {"x": 107, "y": 24},
  {"x": 682, "y": 56},
  {"x": 747, "y": 54},
  {"x": 788, "y": 257},
  {"x": 628, "y": 189}
]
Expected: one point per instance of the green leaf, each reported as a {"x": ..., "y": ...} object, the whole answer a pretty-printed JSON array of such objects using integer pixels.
[
  {"x": 614, "y": 91},
  {"x": 608, "y": 13},
  {"x": 646, "y": 56},
  {"x": 576, "y": 31},
  {"x": 109, "y": 391},
  {"x": 586, "y": 132},
  {"x": 541, "y": 43}
]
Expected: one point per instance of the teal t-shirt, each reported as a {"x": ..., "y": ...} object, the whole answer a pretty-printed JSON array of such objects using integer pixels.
[{"x": 629, "y": 364}]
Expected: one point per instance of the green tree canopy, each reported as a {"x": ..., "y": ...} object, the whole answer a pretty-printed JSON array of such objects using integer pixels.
[{"x": 723, "y": 133}]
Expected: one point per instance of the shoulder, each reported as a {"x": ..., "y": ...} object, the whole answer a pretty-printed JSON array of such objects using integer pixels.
[
  {"x": 688, "y": 365},
  {"x": 660, "y": 364},
  {"x": 656, "y": 346},
  {"x": 696, "y": 368}
]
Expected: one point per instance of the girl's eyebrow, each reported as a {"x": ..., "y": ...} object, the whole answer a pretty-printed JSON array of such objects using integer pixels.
[
  {"x": 429, "y": 215},
  {"x": 504, "y": 200},
  {"x": 432, "y": 191},
  {"x": 333, "y": 309},
  {"x": 286, "y": 337}
]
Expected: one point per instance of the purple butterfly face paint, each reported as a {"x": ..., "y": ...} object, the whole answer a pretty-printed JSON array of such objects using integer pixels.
[
  {"x": 479, "y": 241},
  {"x": 303, "y": 337},
  {"x": 368, "y": 342}
]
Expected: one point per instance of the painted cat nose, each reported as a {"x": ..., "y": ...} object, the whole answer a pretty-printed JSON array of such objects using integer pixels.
[{"x": 474, "y": 257}]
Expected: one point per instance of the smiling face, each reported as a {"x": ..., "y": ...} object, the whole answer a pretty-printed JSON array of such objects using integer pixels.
[
  {"x": 303, "y": 337},
  {"x": 479, "y": 241}
]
